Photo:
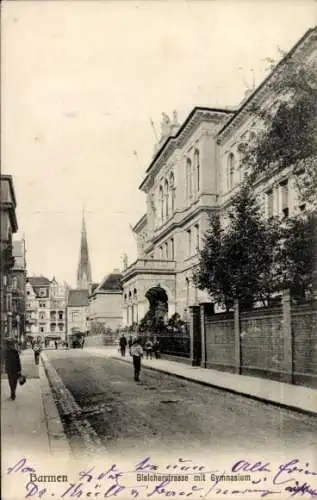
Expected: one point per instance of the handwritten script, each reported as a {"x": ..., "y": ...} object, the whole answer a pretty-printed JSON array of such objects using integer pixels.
[{"x": 184, "y": 478}]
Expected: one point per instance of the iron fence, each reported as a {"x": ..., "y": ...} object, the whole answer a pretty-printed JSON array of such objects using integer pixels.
[{"x": 174, "y": 345}]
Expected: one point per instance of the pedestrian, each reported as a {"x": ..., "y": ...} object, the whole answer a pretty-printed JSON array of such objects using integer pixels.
[
  {"x": 156, "y": 348},
  {"x": 56, "y": 344},
  {"x": 149, "y": 348},
  {"x": 123, "y": 344},
  {"x": 83, "y": 343},
  {"x": 37, "y": 351},
  {"x": 137, "y": 353},
  {"x": 12, "y": 366},
  {"x": 130, "y": 342}
]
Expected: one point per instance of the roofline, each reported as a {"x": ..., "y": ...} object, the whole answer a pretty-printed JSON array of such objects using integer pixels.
[
  {"x": 9, "y": 178},
  {"x": 180, "y": 130},
  {"x": 144, "y": 216},
  {"x": 265, "y": 81}
]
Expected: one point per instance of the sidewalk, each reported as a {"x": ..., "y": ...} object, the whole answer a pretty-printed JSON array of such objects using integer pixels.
[
  {"x": 31, "y": 422},
  {"x": 294, "y": 397}
]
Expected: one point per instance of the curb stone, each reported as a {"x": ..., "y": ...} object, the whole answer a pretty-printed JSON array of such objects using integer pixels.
[
  {"x": 58, "y": 441},
  {"x": 67, "y": 407}
]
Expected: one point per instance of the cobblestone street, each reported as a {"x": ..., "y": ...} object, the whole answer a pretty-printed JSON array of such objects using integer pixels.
[{"x": 163, "y": 412}]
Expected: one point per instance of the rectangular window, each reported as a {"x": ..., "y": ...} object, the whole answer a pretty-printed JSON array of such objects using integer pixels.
[
  {"x": 166, "y": 250},
  {"x": 75, "y": 315},
  {"x": 197, "y": 241},
  {"x": 172, "y": 249},
  {"x": 269, "y": 203},
  {"x": 189, "y": 243},
  {"x": 284, "y": 198}
]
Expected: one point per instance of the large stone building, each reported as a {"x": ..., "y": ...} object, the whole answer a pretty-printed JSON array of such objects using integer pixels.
[
  {"x": 8, "y": 227},
  {"x": 105, "y": 303},
  {"x": 195, "y": 172}
]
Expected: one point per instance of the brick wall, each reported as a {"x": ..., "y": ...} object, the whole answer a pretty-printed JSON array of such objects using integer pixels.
[
  {"x": 276, "y": 343},
  {"x": 220, "y": 346},
  {"x": 262, "y": 344},
  {"x": 304, "y": 329}
]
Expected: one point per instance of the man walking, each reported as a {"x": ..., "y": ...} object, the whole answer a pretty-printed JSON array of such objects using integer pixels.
[
  {"x": 123, "y": 344},
  {"x": 37, "y": 351},
  {"x": 12, "y": 366},
  {"x": 137, "y": 353}
]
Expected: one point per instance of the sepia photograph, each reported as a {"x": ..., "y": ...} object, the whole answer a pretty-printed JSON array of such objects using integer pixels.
[{"x": 158, "y": 249}]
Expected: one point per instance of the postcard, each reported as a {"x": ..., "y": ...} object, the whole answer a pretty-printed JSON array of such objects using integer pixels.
[{"x": 158, "y": 244}]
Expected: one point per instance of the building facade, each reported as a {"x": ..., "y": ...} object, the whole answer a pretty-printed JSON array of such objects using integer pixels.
[
  {"x": 8, "y": 227},
  {"x": 195, "y": 172},
  {"x": 18, "y": 282},
  {"x": 58, "y": 310},
  {"x": 105, "y": 303},
  {"x": 46, "y": 302},
  {"x": 77, "y": 312},
  {"x": 181, "y": 187}
]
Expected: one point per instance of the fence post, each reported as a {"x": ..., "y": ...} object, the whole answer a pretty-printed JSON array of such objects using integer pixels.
[
  {"x": 203, "y": 336},
  {"x": 195, "y": 336},
  {"x": 287, "y": 337},
  {"x": 237, "y": 338}
]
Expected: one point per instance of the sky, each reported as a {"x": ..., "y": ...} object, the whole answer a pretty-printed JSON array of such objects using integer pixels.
[{"x": 81, "y": 81}]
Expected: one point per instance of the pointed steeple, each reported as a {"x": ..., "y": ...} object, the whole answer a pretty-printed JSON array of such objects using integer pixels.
[{"x": 84, "y": 269}]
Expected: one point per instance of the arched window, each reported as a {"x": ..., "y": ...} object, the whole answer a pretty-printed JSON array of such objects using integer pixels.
[
  {"x": 230, "y": 171},
  {"x": 135, "y": 294},
  {"x": 166, "y": 196},
  {"x": 189, "y": 180},
  {"x": 172, "y": 192},
  {"x": 161, "y": 197},
  {"x": 197, "y": 169}
]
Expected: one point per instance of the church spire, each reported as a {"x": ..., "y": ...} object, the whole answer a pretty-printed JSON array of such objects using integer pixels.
[{"x": 84, "y": 269}]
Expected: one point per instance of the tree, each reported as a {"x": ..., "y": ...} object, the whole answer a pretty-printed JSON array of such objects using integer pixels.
[
  {"x": 297, "y": 255},
  {"x": 97, "y": 328},
  {"x": 239, "y": 262},
  {"x": 287, "y": 136},
  {"x": 212, "y": 272}
]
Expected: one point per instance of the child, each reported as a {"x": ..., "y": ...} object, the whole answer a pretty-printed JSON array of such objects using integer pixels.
[
  {"x": 137, "y": 353},
  {"x": 149, "y": 348}
]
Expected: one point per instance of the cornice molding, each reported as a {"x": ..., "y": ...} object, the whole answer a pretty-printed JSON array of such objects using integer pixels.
[{"x": 176, "y": 142}]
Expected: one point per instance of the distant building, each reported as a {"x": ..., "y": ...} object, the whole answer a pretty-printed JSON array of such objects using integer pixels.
[
  {"x": 18, "y": 281},
  {"x": 84, "y": 268},
  {"x": 77, "y": 311},
  {"x": 105, "y": 302},
  {"x": 31, "y": 312},
  {"x": 8, "y": 226},
  {"x": 46, "y": 302},
  {"x": 38, "y": 305},
  {"x": 58, "y": 310}
]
